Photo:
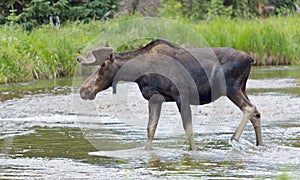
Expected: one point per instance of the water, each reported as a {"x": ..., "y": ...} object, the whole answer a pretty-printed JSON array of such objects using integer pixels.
[{"x": 48, "y": 132}]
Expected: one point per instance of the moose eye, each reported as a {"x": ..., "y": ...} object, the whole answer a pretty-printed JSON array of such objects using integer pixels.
[
  {"x": 98, "y": 77},
  {"x": 101, "y": 72}
]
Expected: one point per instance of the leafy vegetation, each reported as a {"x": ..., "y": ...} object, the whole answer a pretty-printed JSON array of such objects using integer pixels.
[
  {"x": 208, "y": 9},
  {"x": 37, "y": 12},
  {"x": 46, "y": 52},
  {"x": 31, "y": 13},
  {"x": 272, "y": 41}
]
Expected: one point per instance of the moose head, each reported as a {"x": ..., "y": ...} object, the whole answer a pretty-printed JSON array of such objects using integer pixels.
[{"x": 102, "y": 78}]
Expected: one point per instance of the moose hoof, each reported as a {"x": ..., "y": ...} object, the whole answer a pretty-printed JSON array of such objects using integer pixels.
[
  {"x": 148, "y": 148},
  {"x": 233, "y": 139}
]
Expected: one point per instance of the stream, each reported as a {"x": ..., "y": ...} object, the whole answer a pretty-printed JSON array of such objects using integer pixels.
[{"x": 48, "y": 132}]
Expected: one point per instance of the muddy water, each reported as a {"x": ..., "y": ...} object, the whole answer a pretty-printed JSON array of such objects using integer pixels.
[{"x": 46, "y": 131}]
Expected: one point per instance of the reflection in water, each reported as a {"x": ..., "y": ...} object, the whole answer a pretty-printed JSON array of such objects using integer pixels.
[
  {"x": 43, "y": 136},
  {"x": 20, "y": 90}
]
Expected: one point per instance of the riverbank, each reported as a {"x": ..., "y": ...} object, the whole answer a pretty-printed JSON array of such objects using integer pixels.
[{"x": 46, "y": 52}]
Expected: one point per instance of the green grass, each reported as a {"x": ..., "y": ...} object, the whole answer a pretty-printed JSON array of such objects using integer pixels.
[
  {"x": 50, "y": 53},
  {"x": 270, "y": 41},
  {"x": 42, "y": 53}
]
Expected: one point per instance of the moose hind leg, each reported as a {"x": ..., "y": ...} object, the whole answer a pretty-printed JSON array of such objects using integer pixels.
[
  {"x": 248, "y": 112},
  {"x": 241, "y": 100},
  {"x": 256, "y": 122},
  {"x": 155, "y": 104}
]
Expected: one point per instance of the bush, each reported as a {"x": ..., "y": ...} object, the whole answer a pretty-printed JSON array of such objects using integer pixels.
[
  {"x": 44, "y": 52},
  {"x": 271, "y": 41},
  {"x": 47, "y": 52},
  {"x": 206, "y": 9},
  {"x": 38, "y": 12}
]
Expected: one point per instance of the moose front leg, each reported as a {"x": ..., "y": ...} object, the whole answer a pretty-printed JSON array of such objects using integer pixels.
[
  {"x": 155, "y": 104},
  {"x": 186, "y": 115}
]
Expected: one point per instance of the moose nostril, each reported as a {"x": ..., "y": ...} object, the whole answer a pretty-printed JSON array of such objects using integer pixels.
[
  {"x": 257, "y": 115},
  {"x": 82, "y": 94},
  {"x": 87, "y": 93},
  {"x": 78, "y": 59}
]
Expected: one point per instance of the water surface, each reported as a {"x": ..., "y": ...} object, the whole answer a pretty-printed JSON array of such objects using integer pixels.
[{"x": 46, "y": 131}]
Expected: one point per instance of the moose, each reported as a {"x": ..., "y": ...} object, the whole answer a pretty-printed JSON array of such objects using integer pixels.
[{"x": 205, "y": 80}]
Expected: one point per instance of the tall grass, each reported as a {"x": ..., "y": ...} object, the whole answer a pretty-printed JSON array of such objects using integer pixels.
[
  {"x": 42, "y": 53},
  {"x": 49, "y": 53},
  {"x": 272, "y": 41}
]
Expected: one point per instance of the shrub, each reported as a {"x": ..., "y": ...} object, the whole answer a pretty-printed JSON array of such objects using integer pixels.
[
  {"x": 47, "y": 52},
  {"x": 37, "y": 12}
]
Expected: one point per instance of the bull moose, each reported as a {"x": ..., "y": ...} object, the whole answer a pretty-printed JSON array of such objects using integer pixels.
[{"x": 232, "y": 67}]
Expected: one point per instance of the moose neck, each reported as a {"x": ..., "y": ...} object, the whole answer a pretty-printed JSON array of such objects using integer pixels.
[
  {"x": 123, "y": 57},
  {"x": 159, "y": 46}
]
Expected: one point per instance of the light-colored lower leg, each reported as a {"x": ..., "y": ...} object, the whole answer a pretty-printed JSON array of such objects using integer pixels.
[
  {"x": 150, "y": 135},
  {"x": 248, "y": 112},
  {"x": 190, "y": 136},
  {"x": 188, "y": 125},
  {"x": 152, "y": 124},
  {"x": 155, "y": 104}
]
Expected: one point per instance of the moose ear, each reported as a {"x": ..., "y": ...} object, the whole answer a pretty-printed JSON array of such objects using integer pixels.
[
  {"x": 101, "y": 54},
  {"x": 96, "y": 56},
  {"x": 112, "y": 57}
]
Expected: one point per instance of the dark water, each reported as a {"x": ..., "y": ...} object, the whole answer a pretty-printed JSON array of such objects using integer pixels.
[{"x": 46, "y": 131}]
